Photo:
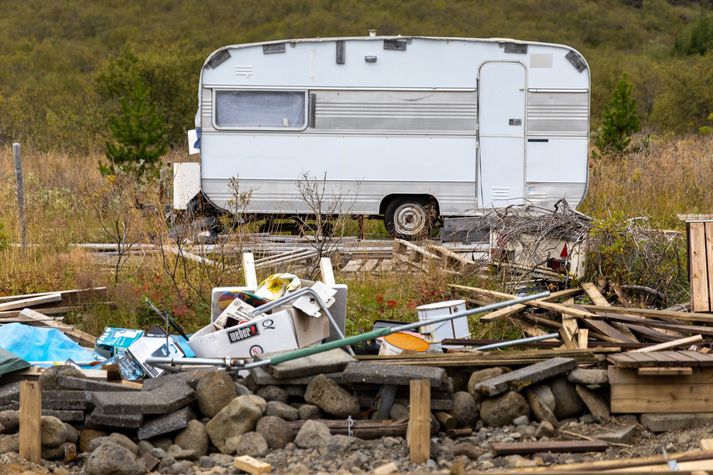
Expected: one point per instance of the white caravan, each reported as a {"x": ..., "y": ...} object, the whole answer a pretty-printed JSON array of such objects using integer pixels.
[{"x": 408, "y": 128}]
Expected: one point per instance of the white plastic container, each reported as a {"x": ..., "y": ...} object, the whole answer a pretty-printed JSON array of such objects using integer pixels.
[{"x": 437, "y": 332}]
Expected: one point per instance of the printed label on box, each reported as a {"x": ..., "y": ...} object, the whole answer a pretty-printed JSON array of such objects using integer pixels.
[{"x": 243, "y": 333}]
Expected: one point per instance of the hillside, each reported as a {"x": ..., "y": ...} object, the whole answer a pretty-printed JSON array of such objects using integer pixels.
[{"x": 51, "y": 53}]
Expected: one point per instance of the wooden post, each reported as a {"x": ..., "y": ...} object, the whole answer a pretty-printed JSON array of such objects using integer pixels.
[
  {"x": 30, "y": 420},
  {"x": 325, "y": 267},
  {"x": 21, "y": 219},
  {"x": 249, "y": 270},
  {"x": 419, "y": 431}
]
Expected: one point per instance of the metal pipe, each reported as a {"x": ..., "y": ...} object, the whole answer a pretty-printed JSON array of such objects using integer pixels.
[
  {"x": 311, "y": 350},
  {"x": 521, "y": 341}
]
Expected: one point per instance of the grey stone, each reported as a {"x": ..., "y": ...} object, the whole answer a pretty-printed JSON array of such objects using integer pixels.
[
  {"x": 337, "y": 444},
  {"x": 481, "y": 375},
  {"x": 180, "y": 468},
  {"x": 72, "y": 433},
  {"x": 9, "y": 443},
  {"x": 10, "y": 421},
  {"x": 113, "y": 459},
  {"x": 273, "y": 393},
  {"x": 178, "y": 453},
  {"x": 545, "y": 429},
  {"x": 502, "y": 410},
  {"x": 518, "y": 461},
  {"x": 468, "y": 449},
  {"x": 50, "y": 377},
  {"x": 374, "y": 373},
  {"x": 162, "y": 400},
  {"x": 276, "y": 432},
  {"x": 596, "y": 404},
  {"x": 567, "y": 401},
  {"x": 166, "y": 424},
  {"x": 282, "y": 410},
  {"x": 115, "y": 438},
  {"x": 66, "y": 452},
  {"x": 258, "y": 401},
  {"x": 251, "y": 443},
  {"x": 162, "y": 442},
  {"x": 237, "y": 418},
  {"x": 242, "y": 390},
  {"x": 309, "y": 411},
  {"x": 331, "y": 398},
  {"x": 86, "y": 436},
  {"x": 294, "y": 391},
  {"x": 312, "y": 434},
  {"x": 194, "y": 437},
  {"x": 158, "y": 453},
  {"x": 356, "y": 461},
  {"x": 542, "y": 403},
  {"x": 588, "y": 376},
  {"x": 145, "y": 446},
  {"x": 668, "y": 422},
  {"x": 522, "y": 420},
  {"x": 620, "y": 436},
  {"x": 465, "y": 408},
  {"x": 53, "y": 432},
  {"x": 215, "y": 390}
]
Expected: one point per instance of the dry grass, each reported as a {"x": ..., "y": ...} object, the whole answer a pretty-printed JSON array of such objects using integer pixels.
[
  {"x": 660, "y": 179},
  {"x": 63, "y": 193}
]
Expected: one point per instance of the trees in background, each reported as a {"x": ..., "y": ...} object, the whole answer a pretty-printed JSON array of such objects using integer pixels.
[{"x": 620, "y": 119}]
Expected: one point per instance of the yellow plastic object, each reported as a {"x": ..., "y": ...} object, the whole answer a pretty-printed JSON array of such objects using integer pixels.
[
  {"x": 277, "y": 285},
  {"x": 407, "y": 342}
]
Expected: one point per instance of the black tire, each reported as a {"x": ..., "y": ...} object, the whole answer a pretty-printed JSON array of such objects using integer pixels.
[{"x": 409, "y": 217}]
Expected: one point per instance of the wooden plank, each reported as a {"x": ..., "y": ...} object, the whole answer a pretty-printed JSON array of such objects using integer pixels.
[
  {"x": 576, "y": 312},
  {"x": 650, "y": 333},
  {"x": 251, "y": 465},
  {"x": 446, "y": 420},
  {"x": 353, "y": 265},
  {"x": 671, "y": 344},
  {"x": 700, "y": 298},
  {"x": 508, "y": 448},
  {"x": 609, "y": 331},
  {"x": 72, "y": 296},
  {"x": 635, "y": 463},
  {"x": 709, "y": 263},
  {"x": 652, "y": 313},
  {"x": 706, "y": 444},
  {"x": 78, "y": 335},
  {"x": 517, "y": 308},
  {"x": 249, "y": 273},
  {"x": 671, "y": 371},
  {"x": 31, "y": 302},
  {"x": 594, "y": 295},
  {"x": 419, "y": 430},
  {"x": 629, "y": 376},
  {"x": 583, "y": 338},
  {"x": 678, "y": 327},
  {"x": 30, "y": 420},
  {"x": 327, "y": 271},
  {"x": 369, "y": 265}
]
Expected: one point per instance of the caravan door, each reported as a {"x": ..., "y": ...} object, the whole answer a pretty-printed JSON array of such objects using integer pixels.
[{"x": 501, "y": 126}]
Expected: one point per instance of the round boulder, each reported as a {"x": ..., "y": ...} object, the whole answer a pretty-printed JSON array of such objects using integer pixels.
[
  {"x": 313, "y": 434},
  {"x": 113, "y": 459},
  {"x": 276, "y": 431},
  {"x": 502, "y": 410},
  {"x": 465, "y": 409},
  {"x": 215, "y": 390},
  {"x": 193, "y": 437}
]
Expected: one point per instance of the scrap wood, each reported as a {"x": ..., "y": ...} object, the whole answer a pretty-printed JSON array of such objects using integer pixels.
[
  {"x": 73, "y": 296},
  {"x": 251, "y": 465},
  {"x": 651, "y": 313},
  {"x": 661, "y": 358},
  {"x": 10, "y": 316},
  {"x": 672, "y": 371},
  {"x": 576, "y": 312},
  {"x": 650, "y": 322},
  {"x": 507, "y": 448},
  {"x": 636, "y": 464},
  {"x": 514, "y": 309},
  {"x": 31, "y": 302},
  {"x": 519, "y": 378},
  {"x": 77, "y": 335},
  {"x": 671, "y": 344}
]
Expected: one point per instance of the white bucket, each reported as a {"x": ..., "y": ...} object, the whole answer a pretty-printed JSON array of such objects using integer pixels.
[{"x": 456, "y": 328}]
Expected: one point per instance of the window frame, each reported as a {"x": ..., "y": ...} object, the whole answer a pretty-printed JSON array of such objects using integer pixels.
[{"x": 214, "y": 107}]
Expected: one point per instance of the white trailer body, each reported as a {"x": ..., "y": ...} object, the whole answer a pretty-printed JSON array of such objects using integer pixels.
[{"x": 395, "y": 124}]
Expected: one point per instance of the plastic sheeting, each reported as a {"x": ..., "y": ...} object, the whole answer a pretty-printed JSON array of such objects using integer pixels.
[{"x": 43, "y": 346}]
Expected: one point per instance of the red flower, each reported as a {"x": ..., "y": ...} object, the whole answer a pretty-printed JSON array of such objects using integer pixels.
[
  {"x": 379, "y": 299},
  {"x": 391, "y": 303}
]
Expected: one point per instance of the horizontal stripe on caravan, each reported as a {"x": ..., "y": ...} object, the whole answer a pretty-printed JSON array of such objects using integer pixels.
[{"x": 347, "y": 180}]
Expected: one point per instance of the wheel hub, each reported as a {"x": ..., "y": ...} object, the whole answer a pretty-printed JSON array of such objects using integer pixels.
[{"x": 410, "y": 219}]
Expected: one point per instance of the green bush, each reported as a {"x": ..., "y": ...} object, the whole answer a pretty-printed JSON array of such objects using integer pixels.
[{"x": 4, "y": 238}]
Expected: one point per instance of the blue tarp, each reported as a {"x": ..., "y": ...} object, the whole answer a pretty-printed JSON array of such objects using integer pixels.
[{"x": 40, "y": 345}]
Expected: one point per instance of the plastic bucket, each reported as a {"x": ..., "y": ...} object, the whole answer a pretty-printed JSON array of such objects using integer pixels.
[
  {"x": 402, "y": 341},
  {"x": 437, "y": 332}
]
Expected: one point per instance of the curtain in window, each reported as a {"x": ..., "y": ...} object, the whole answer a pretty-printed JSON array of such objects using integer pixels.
[{"x": 272, "y": 109}]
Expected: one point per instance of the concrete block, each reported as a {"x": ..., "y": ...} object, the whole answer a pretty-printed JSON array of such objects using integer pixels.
[
  {"x": 9, "y": 393},
  {"x": 166, "y": 399},
  {"x": 190, "y": 378},
  {"x": 621, "y": 436},
  {"x": 262, "y": 378},
  {"x": 667, "y": 422},
  {"x": 328, "y": 362},
  {"x": 392, "y": 374},
  {"x": 69, "y": 400},
  {"x": 98, "y": 419},
  {"x": 166, "y": 424},
  {"x": 522, "y": 377},
  {"x": 64, "y": 416},
  {"x": 83, "y": 384}
]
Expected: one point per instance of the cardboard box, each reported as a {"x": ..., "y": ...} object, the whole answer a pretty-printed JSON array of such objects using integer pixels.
[
  {"x": 283, "y": 330},
  {"x": 134, "y": 361}
]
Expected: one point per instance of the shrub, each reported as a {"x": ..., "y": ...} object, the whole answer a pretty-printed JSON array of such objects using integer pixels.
[{"x": 620, "y": 119}]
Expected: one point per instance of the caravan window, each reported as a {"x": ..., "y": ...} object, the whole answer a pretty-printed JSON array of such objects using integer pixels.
[{"x": 260, "y": 109}]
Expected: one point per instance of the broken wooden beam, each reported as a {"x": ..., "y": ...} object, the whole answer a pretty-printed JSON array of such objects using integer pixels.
[
  {"x": 375, "y": 373},
  {"x": 419, "y": 428},
  {"x": 509, "y": 448},
  {"x": 671, "y": 344}
]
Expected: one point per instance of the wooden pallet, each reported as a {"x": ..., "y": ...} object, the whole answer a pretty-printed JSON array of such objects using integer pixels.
[
  {"x": 699, "y": 229},
  {"x": 661, "y": 359}
]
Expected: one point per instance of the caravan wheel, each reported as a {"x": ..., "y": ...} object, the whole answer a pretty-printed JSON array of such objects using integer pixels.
[{"x": 409, "y": 218}]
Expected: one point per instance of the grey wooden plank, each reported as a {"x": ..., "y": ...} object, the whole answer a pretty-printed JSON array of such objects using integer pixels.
[{"x": 525, "y": 376}]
